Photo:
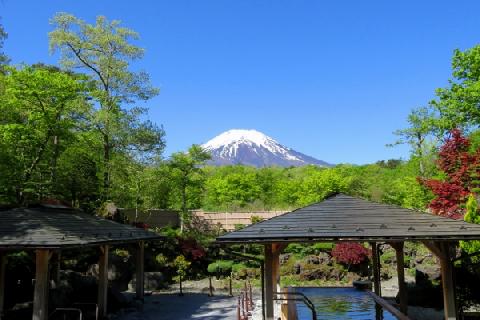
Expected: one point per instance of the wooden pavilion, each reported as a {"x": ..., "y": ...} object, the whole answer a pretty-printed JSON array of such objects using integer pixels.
[
  {"x": 48, "y": 230},
  {"x": 345, "y": 218}
]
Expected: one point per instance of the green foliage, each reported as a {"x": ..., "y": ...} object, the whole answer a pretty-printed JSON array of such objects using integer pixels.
[
  {"x": 471, "y": 216},
  {"x": 222, "y": 267},
  {"x": 256, "y": 219},
  {"x": 181, "y": 264},
  {"x": 104, "y": 52}
]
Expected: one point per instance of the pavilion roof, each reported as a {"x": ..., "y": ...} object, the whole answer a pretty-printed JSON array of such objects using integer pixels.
[
  {"x": 47, "y": 227},
  {"x": 345, "y": 218}
]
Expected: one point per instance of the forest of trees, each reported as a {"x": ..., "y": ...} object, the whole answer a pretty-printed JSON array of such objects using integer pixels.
[{"x": 75, "y": 133}]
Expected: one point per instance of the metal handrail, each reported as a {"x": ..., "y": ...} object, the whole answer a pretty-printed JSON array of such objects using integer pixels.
[
  {"x": 303, "y": 299},
  {"x": 68, "y": 309},
  {"x": 88, "y": 304}
]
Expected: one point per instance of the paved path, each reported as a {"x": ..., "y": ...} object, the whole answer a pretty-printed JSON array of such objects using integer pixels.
[{"x": 190, "y": 306}]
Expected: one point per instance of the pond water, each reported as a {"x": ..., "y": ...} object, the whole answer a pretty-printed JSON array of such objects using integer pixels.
[{"x": 341, "y": 304}]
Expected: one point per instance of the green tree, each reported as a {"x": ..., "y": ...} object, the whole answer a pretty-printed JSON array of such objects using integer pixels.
[
  {"x": 421, "y": 126},
  {"x": 457, "y": 104},
  {"x": 187, "y": 175},
  {"x": 3, "y": 57},
  {"x": 471, "y": 216},
  {"x": 104, "y": 51},
  {"x": 40, "y": 107}
]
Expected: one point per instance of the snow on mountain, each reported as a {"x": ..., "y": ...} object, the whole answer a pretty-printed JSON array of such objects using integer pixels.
[{"x": 251, "y": 147}]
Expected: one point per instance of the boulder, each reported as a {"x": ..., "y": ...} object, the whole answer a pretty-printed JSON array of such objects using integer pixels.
[
  {"x": 153, "y": 281},
  {"x": 284, "y": 258}
]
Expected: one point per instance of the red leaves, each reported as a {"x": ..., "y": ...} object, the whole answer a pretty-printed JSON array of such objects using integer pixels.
[
  {"x": 191, "y": 248},
  {"x": 462, "y": 171},
  {"x": 350, "y": 252},
  {"x": 141, "y": 225}
]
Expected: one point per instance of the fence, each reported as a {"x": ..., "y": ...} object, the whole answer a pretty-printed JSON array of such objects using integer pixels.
[{"x": 227, "y": 220}]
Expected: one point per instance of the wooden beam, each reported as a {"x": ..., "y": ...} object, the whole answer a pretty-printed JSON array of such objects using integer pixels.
[
  {"x": 376, "y": 269},
  {"x": 102, "y": 281},
  {"x": 40, "y": 295},
  {"x": 140, "y": 275},
  {"x": 3, "y": 266},
  {"x": 402, "y": 288},
  {"x": 443, "y": 251},
  {"x": 269, "y": 284}
]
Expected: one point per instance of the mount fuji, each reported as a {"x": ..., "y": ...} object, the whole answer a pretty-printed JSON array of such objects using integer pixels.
[{"x": 253, "y": 148}]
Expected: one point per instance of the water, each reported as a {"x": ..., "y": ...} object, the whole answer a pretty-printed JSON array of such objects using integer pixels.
[{"x": 341, "y": 304}]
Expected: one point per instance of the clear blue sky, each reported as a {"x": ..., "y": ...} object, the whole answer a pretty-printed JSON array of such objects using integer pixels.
[{"x": 331, "y": 79}]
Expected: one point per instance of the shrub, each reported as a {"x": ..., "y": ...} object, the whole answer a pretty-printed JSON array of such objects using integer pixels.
[
  {"x": 350, "y": 253},
  {"x": 220, "y": 266}
]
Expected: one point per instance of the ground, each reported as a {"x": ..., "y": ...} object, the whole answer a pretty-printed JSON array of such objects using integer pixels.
[{"x": 169, "y": 306}]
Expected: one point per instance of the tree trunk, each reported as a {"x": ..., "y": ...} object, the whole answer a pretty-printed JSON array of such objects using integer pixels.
[{"x": 106, "y": 164}]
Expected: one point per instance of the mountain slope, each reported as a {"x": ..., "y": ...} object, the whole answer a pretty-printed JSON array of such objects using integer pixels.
[{"x": 251, "y": 147}]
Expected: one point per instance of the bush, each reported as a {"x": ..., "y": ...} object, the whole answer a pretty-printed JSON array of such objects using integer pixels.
[
  {"x": 222, "y": 267},
  {"x": 350, "y": 253}
]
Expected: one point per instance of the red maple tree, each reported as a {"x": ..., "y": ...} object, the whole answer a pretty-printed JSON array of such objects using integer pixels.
[
  {"x": 350, "y": 253},
  {"x": 461, "y": 169}
]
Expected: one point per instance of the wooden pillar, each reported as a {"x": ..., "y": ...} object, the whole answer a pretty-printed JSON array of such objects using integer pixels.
[
  {"x": 102, "y": 281},
  {"x": 3, "y": 266},
  {"x": 140, "y": 275},
  {"x": 402, "y": 288},
  {"x": 276, "y": 249},
  {"x": 376, "y": 269},
  {"x": 442, "y": 251},
  {"x": 269, "y": 284},
  {"x": 448, "y": 284},
  {"x": 40, "y": 295}
]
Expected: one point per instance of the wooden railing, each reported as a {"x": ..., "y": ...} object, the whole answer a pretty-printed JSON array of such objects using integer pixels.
[{"x": 245, "y": 302}]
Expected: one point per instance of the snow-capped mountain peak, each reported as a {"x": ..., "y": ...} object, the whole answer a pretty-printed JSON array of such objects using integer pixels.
[{"x": 251, "y": 147}]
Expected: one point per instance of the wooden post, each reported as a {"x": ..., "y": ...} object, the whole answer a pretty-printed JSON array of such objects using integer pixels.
[
  {"x": 448, "y": 284},
  {"x": 269, "y": 284},
  {"x": 402, "y": 288},
  {"x": 103, "y": 281},
  {"x": 276, "y": 249},
  {"x": 140, "y": 274},
  {"x": 40, "y": 295},
  {"x": 442, "y": 251},
  {"x": 210, "y": 287},
  {"x": 376, "y": 269},
  {"x": 3, "y": 266}
]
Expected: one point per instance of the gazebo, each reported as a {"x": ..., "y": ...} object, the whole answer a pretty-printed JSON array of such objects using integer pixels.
[
  {"x": 48, "y": 230},
  {"x": 344, "y": 218}
]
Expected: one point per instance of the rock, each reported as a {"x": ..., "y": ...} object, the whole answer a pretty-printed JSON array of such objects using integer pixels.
[
  {"x": 153, "y": 281},
  {"x": 325, "y": 258},
  {"x": 312, "y": 259},
  {"x": 284, "y": 258},
  {"x": 427, "y": 273},
  {"x": 297, "y": 268}
]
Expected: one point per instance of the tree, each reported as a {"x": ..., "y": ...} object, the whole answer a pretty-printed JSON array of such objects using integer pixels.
[
  {"x": 40, "y": 107},
  {"x": 3, "y": 57},
  {"x": 471, "y": 216},
  {"x": 104, "y": 51},
  {"x": 461, "y": 170},
  {"x": 187, "y": 174},
  {"x": 457, "y": 104},
  {"x": 421, "y": 126}
]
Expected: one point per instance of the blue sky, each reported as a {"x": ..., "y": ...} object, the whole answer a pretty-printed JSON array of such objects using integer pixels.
[{"x": 329, "y": 79}]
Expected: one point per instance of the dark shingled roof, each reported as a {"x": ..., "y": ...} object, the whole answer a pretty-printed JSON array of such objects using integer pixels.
[
  {"x": 345, "y": 218},
  {"x": 59, "y": 227}
]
